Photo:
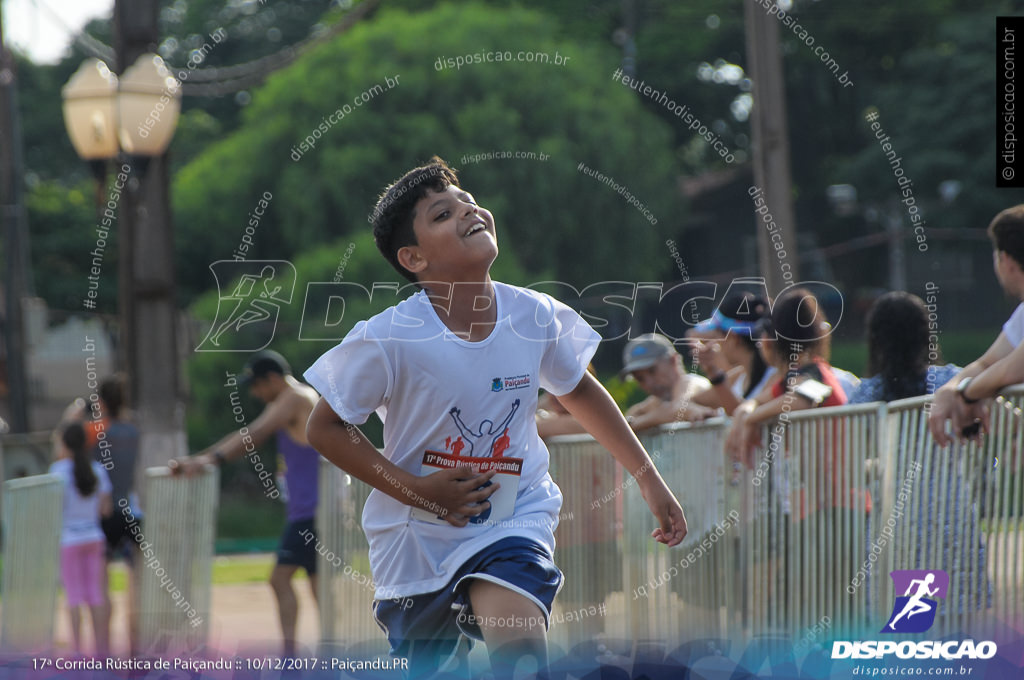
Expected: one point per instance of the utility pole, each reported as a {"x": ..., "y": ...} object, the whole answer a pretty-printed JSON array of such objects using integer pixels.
[
  {"x": 149, "y": 337},
  {"x": 770, "y": 140},
  {"x": 16, "y": 281},
  {"x": 629, "y": 44},
  {"x": 897, "y": 247}
]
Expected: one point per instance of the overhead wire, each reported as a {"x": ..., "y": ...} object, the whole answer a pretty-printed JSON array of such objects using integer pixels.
[{"x": 214, "y": 81}]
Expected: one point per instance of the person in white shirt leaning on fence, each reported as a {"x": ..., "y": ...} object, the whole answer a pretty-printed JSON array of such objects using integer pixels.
[{"x": 964, "y": 400}]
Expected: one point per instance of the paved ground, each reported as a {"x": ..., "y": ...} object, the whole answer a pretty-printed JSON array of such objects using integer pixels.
[{"x": 243, "y": 620}]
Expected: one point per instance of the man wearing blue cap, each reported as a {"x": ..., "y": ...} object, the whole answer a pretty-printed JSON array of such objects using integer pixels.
[{"x": 652, "y": 360}]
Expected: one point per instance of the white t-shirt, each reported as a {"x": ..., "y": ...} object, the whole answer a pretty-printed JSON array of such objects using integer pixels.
[
  {"x": 81, "y": 522},
  {"x": 1014, "y": 326},
  {"x": 430, "y": 388}
]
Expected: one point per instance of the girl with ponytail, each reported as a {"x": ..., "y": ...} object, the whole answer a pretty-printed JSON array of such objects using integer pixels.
[{"x": 82, "y": 562}]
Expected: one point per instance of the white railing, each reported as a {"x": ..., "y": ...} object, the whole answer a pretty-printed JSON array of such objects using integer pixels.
[
  {"x": 787, "y": 547},
  {"x": 176, "y": 570},
  {"x": 802, "y": 545},
  {"x": 967, "y": 520},
  {"x": 31, "y": 566},
  {"x": 343, "y": 563}
]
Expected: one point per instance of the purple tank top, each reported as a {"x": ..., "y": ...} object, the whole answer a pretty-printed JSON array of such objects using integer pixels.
[{"x": 301, "y": 465}]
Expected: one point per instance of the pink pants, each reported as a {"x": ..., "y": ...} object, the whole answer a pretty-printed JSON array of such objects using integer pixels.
[{"x": 81, "y": 569}]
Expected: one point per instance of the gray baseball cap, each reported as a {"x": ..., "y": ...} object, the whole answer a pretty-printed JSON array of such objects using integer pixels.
[{"x": 644, "y": 352}]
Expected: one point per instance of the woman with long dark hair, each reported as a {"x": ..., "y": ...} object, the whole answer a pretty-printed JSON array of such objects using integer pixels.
[
  {"x": 902, "y": 354},
  {"x": 82, "y": 563}
]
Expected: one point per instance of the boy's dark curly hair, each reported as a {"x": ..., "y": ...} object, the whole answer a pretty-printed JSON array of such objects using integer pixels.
[
  {"x": 898, "y": 344},
  {"x": 396, "y": 207}
]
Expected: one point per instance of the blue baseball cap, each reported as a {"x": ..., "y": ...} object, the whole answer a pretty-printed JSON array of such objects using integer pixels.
[
  {"x": 720, "y": 322},
  {"x": 741, "y": 312}
]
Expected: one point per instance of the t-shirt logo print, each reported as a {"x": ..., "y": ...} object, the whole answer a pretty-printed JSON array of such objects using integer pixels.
[
  {"x": 498, "y": 434},
  {"x": 487, "y": 429},
  {"x": 914, "y": 611},
  {"x": 496, "y": 385}
]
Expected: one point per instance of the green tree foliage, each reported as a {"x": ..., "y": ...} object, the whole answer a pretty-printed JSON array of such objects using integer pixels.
[
  {"x": 939, "y": 135},
  {"x": 254, "y": 29},
  {"x": 936, "y": 107},
  {"x": 64, "y": 235},
  {"x": 48, "y": 153},
  {"x": 558, "y": 221}
]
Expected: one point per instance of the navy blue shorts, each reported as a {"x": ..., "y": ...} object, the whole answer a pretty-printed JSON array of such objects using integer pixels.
[
  {"x": 294, "y": 550},
  {"x": 427, "y": 629}
]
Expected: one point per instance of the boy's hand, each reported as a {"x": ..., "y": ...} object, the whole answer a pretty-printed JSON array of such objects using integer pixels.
[
  {"x": 457, "y": 492},
  {"x": 667, "y": 511}
]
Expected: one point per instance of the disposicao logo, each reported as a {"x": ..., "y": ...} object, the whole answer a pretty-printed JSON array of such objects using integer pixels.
[
  {"x": 919, "y": 588},
  {"x": 914, "y": 612}
]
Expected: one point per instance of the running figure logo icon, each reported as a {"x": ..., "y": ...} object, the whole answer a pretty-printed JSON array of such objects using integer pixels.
[
  {"x": 258, "y": 289},
  {"x": 914, "y": 611}
]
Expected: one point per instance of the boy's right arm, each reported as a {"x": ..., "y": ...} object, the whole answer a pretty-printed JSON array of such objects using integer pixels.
[
  {"x": 453, "y": 494},
  {"x": 595, "y": 409}
]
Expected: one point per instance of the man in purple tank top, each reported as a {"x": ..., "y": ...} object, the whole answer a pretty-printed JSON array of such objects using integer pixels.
[{"x": 288, "y": 405}]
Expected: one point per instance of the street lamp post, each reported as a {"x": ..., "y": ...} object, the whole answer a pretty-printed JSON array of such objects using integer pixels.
[{"x": 132, "y": 119}]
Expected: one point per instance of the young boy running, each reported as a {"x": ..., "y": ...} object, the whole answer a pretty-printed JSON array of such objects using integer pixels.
[{"x": 453, "y": 372}]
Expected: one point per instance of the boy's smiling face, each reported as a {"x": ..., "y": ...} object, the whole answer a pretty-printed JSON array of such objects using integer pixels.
[{"x": 455, "y": 238}]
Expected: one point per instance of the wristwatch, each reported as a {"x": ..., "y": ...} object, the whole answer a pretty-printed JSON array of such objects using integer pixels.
[
  {"x": 961, "y": 389},
  {"x": 718, "y": 379}
]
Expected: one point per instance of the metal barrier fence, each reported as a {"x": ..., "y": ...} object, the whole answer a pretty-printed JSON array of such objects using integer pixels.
[
  {"x": 965, "y": 518},
  {"x": 806, "y": 512},
  {"x": 837, "y": 498},
  {"x": 689, "y": 590},
  {"x": 801, "y": 545},
  {"x": 588, "y": 541},
  {"x": 343, "y": 563},
  {"x": 176, "y": 569},
  {"x": 32, "y": 511}
]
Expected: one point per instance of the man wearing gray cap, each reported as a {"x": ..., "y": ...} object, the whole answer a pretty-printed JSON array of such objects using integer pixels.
[{"x": 652, "y": 360}]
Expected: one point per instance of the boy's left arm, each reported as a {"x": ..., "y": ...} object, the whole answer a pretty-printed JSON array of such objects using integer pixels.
[{"x": 595, "y": 409}]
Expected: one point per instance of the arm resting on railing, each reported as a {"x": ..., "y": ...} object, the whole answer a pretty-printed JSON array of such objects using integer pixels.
[{"x": 1001, "y": 365}]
